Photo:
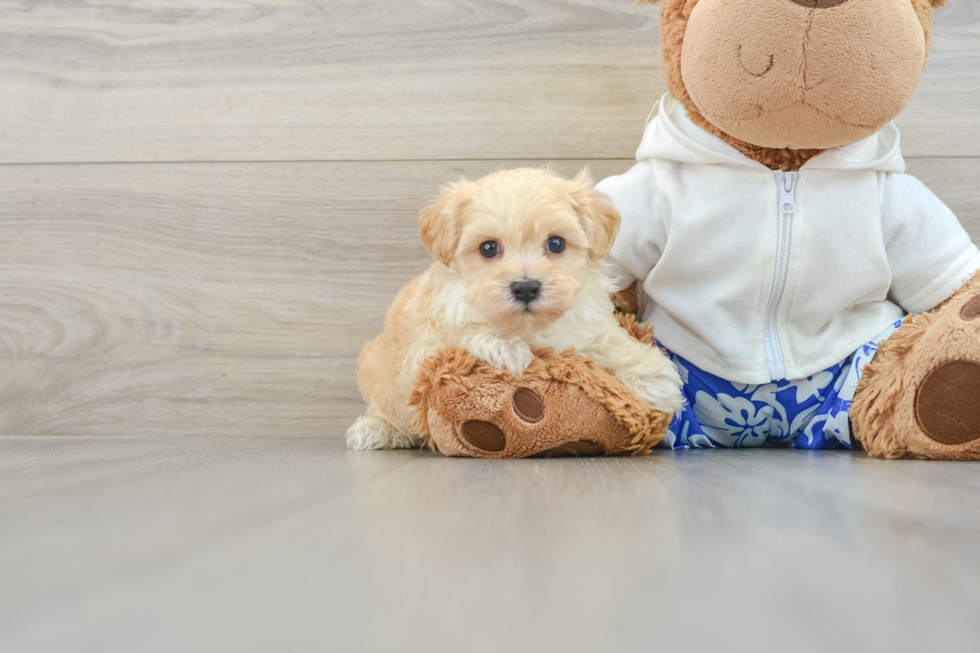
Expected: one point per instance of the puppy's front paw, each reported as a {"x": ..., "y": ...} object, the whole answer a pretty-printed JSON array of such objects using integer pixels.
[
  {"x": 512, "y": 355},
  {"x": 660, "y": 388},
  {"x": 371, "y": 433}
]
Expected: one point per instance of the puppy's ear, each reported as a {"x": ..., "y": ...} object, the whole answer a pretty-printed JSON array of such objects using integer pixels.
[
  {"x": 599, "y": 219},
  {"x": 938, "y": 3},
  {"x": 441, "y": 220}
]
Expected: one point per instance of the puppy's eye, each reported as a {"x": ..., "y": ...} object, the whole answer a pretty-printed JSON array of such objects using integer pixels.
[
  {"x": 489, "y": 249},
  {"x": 556, "y": 244}
]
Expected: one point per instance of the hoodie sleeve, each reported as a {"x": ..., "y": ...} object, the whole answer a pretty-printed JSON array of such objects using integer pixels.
[
  {"x": 642, "y": 234},
  {"x": 929, "y": 251}
]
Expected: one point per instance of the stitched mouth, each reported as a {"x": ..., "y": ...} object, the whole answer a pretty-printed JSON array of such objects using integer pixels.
[
  {"x": 760, "y": 112},
  {"x": 837, "y": 118}
]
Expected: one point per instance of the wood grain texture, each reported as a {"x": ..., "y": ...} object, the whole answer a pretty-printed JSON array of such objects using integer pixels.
[
  {"x": 271, "y": 544},
  {"x": 223, "y": 80},
  {"x": 202, "y": 298},
  {"x": 221, "y": 299}
]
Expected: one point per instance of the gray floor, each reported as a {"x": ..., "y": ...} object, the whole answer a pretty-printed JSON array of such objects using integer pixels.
[{"x": 154, "y": 544}]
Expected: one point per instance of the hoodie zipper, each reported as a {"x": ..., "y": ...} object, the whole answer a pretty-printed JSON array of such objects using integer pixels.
[{"x": 784, "y": 240}]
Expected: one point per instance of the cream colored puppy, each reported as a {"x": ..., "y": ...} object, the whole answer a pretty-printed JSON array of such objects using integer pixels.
[{"x": 518, "y": 266}]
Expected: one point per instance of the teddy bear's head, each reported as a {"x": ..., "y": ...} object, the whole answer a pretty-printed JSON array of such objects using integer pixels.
[{"x": 783, "y": 80}]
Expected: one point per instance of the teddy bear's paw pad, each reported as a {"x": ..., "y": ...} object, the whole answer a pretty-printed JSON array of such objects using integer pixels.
[
  {"x": 528, "y": 406},
  {"x": 971, "y": 311},
  {"x": 483, "y": 435},
  {"x": 947, "y": 404},
  {"x": 576, "y": 449}
]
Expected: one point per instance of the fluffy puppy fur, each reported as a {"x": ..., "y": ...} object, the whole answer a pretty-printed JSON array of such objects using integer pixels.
[{"x": 467, "y": 298}]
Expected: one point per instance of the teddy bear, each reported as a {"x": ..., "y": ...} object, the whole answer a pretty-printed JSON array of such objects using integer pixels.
[
  {"x": 809, "y": 291},
  {"x": 562, "y": 405}
]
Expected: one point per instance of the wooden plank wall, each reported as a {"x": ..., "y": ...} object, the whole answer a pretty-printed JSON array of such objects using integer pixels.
[{"x": 205, "y": 207}]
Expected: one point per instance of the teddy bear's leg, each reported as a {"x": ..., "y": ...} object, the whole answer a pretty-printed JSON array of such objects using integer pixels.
[
  {"x": 504, "y": 419},
  {"x": 494, "y": 415},
  {"x": 920, "y": 396}
]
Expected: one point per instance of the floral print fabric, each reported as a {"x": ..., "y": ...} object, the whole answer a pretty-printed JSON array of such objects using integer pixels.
[{"x": 809, "y": 413}]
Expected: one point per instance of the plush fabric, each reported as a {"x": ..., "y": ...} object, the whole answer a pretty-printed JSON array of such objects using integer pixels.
[
  {"x": 784, "y": 85},
  {"x": 769, "y": 73},
  {"x": 893, "y": 414},
  {"x": 867, "y": 244},
  {"x": 461, "y": 403},
  {"x": 757, "y": 17}
]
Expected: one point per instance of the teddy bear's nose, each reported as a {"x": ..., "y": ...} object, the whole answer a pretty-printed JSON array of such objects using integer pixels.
[{"x": 819, "y": 4}]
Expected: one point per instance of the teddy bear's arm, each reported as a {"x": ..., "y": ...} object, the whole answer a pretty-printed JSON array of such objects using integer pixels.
[{"x": 929, "y": 252}]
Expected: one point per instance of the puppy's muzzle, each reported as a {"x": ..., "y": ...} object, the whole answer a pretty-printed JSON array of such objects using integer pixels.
[{"x": 525, "y": 291}]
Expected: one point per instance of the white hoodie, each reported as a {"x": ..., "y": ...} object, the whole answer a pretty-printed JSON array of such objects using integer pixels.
[{"x": 756, "y": 275}]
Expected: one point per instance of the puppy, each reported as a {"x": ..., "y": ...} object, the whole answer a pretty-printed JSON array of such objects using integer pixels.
[{"x": 518, "y": 266}]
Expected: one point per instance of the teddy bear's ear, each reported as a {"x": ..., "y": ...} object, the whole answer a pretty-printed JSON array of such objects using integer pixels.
[
  {"x": 938, "y": 3},
  {"x": 600, "y": 219},
  {"x": 441, "y": 219}
]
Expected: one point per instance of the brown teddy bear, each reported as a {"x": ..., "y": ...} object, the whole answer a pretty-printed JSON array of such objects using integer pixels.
[
  {"x": 562, "y": 405},
  {"x": 778, "y": 245}
]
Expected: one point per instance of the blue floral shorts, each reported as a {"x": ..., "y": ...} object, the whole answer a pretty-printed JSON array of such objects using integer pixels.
[{"x": 810, "y": 413}]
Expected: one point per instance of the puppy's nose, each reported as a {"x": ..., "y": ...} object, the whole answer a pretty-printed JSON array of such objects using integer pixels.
[
  {"x": 819, "y": 4},
  {"x": 525, "y": 291}
]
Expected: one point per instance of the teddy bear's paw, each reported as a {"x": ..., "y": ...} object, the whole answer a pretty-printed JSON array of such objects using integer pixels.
[
  {"x": 947, "y": 402},
  {"x": 576, "y": 449},
  {"x": 529, "y": 409},
  {"x": 503, "y": 418},
  {"x": 922, "y": 399},
  {"x": 485, "y": 436}
]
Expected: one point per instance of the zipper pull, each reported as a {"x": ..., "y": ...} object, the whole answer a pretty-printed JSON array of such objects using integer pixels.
[{"x": 787, "y": 196}]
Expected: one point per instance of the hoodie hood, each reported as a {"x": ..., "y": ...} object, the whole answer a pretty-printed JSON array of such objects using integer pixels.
[{"x": 671, "y": 136}]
